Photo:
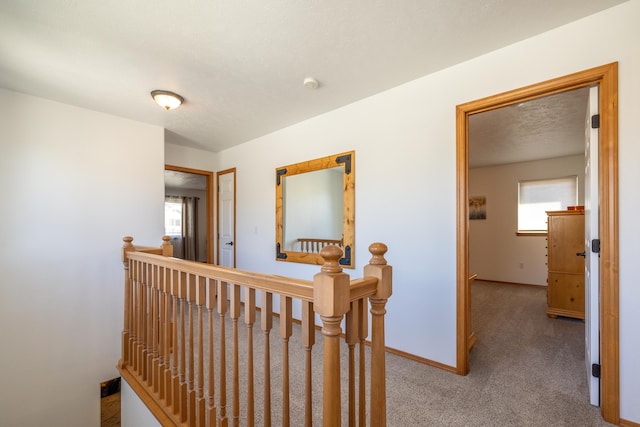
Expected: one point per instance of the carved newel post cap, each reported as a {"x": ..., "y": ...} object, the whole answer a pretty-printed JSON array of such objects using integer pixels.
[
  {"x": 128, "y": 246},
  {"x": 331, "y": 255},
  {"x": 166, "y": 240},
  {"x": 377, "y": 253}
]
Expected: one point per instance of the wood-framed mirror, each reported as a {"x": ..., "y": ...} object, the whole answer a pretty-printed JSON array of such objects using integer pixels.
[{"x": 315, "y": 207}]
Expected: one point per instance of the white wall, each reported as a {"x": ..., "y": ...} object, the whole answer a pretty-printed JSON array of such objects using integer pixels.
[
  {"x": 193, "y": 158},
  {"x": 74, "y": 182},
  {"x": 495, "y": 252},
  {"x": 405, "y": 179},
  {"x": 133, "y": 411}
]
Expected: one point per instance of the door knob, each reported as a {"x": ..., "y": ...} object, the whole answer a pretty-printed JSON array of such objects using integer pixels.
[
  {"x": 584, "y": 254},
  {"x": 229, "y": 243}
]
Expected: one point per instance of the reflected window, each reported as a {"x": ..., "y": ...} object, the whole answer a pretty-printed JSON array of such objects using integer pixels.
[{"x": 173, "y": 218}]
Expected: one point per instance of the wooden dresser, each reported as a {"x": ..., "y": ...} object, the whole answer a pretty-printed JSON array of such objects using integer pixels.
[{"x": 565, "y": 279}]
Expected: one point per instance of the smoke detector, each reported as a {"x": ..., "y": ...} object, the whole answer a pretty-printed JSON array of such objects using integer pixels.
[{"x": 311, "y": 83}]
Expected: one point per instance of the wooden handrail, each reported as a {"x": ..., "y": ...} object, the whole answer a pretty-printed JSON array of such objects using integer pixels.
[
  {"x": 175, "y": 352},
  {"x": 296, "y": 288}
]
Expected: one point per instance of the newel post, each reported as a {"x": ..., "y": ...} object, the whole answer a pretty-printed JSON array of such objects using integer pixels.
[
  {"x": 167, "y": 247},
  {"x": 331, "y": 302},
  {"x": 378, "y": 268},
  {"x": 126, "y": 329}
]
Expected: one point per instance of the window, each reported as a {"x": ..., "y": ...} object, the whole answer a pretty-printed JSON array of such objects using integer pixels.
[
  {"x": 537, "y": 197},
  {"x": 173, "y": 218}
]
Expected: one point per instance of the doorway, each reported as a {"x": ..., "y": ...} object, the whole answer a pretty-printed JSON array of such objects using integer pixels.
[
  {"x": 179, "y": 178},
  {"x": 226, "y": 218},
  {"x": 606, "y": 77}
]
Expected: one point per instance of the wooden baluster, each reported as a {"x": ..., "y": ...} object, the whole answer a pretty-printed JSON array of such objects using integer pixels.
[
  {"x": 222, "y": 311},
  {"x": 146, "y": 317},
  {"x": 308, "y": 340},
  {"x": 136, "y": 316},
  {"x": 250, "y": 319},
  {"x": 175, "y": 359},
  {"x": 286, "y": 329},
  {"x": 146, "y": 325},
  {"x": 351, "y": 326},
  {"x": 266, "y": 323},
  {"x": 155, "y": 328},
  {"x": 200, "y": 401},
  {"x": 363, "y": 332},
  {"x": 141, "y": 316},
  {"x": 191, "y": 392},
  {"x": 378, "y": 268},
  {"x": 148, "y": 337},
  {"x": 331, "y": 302},
  {"x": 151, "y": 325},
  {"x": 175, "y": 370},
  {"x": 211, "y": 384},
  {"x": 163, "y": 368},
  {"x": 135, "y": 309},
  {"x": 235, "y": 315},
  {"x": 182, "y": 331},
  {"x": 126, "y": 329},
  {"x": 161, "y": 325}
]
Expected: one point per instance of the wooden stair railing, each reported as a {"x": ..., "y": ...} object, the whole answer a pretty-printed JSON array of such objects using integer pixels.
[
  {"x": 174, "y": 351},
  {"x": 314, "y": 246}
]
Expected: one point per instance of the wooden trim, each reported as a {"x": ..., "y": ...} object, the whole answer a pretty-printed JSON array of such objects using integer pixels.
[
  {"x": 209, "y": 203},
  {"x": 348, "y": 217},
  {"x": 500, "y": 282},
  {"x": 217, "y": 240},
  {"x": 609, "y": 255},
  {"x": 626, "y": 423},
  {"x": 532, "y": 233},
  {"x": 463, "y": 317},
  {"x": 419, "y": 359},
  {"x": 606, "y": 77}
]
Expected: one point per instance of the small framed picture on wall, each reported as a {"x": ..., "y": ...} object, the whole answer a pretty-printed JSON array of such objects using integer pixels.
[{"x": 478, "y": 207}]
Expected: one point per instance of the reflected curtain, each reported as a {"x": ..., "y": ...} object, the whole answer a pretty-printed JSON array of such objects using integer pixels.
[
  {"x": 190, "y": 227},
  {"x": 185, "y": 246}
]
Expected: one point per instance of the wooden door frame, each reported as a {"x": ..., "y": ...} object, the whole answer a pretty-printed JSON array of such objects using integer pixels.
[
  {"x": 209, "y": 203},
  {"x": 224, "y": 172},
  {"x": 606, "y": 77}
]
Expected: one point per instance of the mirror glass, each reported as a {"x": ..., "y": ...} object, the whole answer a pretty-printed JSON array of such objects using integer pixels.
[{"x": 315, "y": 208}]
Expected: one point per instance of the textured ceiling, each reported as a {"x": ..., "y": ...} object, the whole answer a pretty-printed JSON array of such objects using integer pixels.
[
  {"x": 543, "y": 128},
  {"x": 184, "y": 180},
  {"x": 240, "y": 64}
]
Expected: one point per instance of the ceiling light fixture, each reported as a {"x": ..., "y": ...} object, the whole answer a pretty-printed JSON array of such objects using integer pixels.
[{"x": 167, "y": 100}]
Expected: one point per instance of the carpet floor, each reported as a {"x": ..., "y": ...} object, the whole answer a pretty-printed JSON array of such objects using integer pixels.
[{"x": 526, "y": 370}]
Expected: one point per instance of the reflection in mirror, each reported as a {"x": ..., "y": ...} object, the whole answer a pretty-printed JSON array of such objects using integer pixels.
[{"x": 315, "y": 208}]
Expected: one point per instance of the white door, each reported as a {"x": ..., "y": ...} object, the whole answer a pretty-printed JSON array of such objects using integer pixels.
[
  {"x": 227, "y": 218},
  {"x": 592, "y": 259}
]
